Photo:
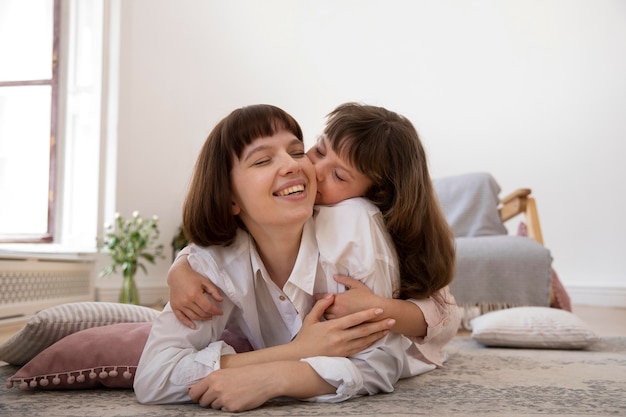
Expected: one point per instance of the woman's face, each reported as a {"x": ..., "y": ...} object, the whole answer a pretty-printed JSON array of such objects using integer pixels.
[
  {"x": 337, "y": 179},
  {"x": 273, "y": 183}
]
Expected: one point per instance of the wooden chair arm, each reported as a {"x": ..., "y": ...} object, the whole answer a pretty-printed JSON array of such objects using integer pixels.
[
  {"x": 519, "y": 193},
  {"x": 518, "y": 202},
  {"x": 514, "y": 204}
]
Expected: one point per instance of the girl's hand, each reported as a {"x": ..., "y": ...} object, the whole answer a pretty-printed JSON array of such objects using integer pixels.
[
  {"x": 342, "y": 337},
  {"x": 410, "y": 320},
  {"x": 192, "y": 296},
  {"x": 358, "y": 297}
]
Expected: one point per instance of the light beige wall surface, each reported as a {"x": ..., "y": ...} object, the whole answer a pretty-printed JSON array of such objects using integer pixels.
[{"x": 532, "y": 91}]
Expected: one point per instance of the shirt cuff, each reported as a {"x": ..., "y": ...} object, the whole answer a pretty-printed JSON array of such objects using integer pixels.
[
  {"x": 205, "y": 361},
  {"x": 432, "y": 316},
  {"x": 341, "y": 373}
]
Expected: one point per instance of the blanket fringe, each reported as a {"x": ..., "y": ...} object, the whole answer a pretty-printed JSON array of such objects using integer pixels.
[{"x": 471, "y": 311}]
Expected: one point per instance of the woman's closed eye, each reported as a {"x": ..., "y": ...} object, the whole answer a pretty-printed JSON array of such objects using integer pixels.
[
  {"x": 261, "y": 162},
  {"x": 299, "y": 154}
]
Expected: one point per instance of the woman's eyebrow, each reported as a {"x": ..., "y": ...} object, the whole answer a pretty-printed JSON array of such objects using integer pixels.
[
  {"x": 254, "y": 150},
  {"x": 297, "y": 141},
  {"x": 260, "y": 148}
]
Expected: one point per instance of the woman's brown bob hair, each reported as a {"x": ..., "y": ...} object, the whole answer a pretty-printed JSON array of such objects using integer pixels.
[{"x": 207, "y": 211}]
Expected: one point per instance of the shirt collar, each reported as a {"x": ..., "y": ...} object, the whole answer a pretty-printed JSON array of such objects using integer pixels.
[{"x": 304, "y": 271}]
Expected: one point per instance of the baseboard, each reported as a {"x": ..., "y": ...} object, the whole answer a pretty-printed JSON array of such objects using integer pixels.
[
  {"x": 148, "y": 295},
  {"x": 597, "y": 295}
]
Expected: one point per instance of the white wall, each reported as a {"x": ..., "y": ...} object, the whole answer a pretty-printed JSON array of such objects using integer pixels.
[{"x": 532, "y": 91}]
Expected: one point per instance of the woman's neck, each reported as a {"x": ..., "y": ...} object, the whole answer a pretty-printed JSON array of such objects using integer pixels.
[{"x": 278, "y": 252}]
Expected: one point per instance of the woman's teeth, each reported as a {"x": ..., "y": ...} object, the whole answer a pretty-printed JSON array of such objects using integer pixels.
[{"x": 291, "y": 190}]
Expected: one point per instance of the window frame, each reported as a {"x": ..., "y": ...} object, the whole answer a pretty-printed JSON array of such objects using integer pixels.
[{"x": 48, "y": 236}]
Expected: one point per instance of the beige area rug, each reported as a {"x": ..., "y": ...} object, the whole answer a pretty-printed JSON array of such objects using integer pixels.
[{"x": 476, "y": 381}]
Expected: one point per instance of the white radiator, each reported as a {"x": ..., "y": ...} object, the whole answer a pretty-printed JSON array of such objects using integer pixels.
[{"x": 32, "y": 284}]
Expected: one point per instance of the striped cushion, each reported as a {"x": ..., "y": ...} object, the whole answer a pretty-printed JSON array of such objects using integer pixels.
[{"x": 54, "y": 323}]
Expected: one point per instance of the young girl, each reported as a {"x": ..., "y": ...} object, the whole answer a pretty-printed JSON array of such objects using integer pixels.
[
  {"x": 248, "y": 211},
  {"x": 362, "y": 143},
  {"x": 372, "y": 152}
]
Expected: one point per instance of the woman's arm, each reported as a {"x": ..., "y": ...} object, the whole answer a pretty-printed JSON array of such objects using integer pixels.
[
  {"x": 246, "y": 381},
  {"x": 175, "y": 357}
]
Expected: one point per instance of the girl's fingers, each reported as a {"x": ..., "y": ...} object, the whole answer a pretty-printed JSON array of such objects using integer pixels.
[
  {"x": 213, "y": 291},
  {"x": 319, "y": 307}
]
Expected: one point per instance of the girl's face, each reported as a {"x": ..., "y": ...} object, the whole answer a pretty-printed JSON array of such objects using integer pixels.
[
  {"x": 273, "y": 182},
  {"x": 337, "y": 179}
]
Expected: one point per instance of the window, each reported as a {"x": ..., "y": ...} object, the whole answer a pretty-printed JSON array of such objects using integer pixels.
[
  {"x": 50, "y": 105},
  {"x": 28, "y": 108}
]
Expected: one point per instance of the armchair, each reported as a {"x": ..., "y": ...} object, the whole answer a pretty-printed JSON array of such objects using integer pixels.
[{"x": 496, "y": 270}]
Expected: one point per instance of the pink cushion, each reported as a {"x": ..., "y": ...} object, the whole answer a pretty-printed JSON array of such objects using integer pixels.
[{"x": 105, "y": 356}]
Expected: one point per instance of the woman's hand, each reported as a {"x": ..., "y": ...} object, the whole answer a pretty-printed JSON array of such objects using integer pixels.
[
  {"x": 342, "y": 337},
  {"x": 248, "y": 387},
  {"x": 234, "y": 389},
  {"x": 192, "y": 296},
  {"x": 358, "y": 297}
]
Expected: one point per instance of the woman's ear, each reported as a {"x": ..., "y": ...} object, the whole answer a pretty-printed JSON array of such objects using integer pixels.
[{"x": 235, "y": 207}]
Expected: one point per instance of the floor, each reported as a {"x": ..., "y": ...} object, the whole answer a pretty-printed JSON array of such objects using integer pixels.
[{"x": 604, "y": 321}]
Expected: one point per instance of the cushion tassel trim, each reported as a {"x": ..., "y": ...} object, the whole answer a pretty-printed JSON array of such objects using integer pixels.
[{"x": 77, "y": 376}]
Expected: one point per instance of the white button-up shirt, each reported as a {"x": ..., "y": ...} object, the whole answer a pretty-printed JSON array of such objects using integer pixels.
[{"x": 352, "y": 240}]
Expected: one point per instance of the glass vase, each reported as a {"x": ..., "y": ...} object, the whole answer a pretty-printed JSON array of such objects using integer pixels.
[{"x": 129, "y": 293}]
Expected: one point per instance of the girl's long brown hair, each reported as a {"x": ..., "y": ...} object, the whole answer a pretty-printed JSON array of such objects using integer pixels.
[{"x": 385, "y": 146}]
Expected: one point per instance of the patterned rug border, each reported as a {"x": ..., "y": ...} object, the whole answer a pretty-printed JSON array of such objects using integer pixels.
[{"x": 475, "y": 381}]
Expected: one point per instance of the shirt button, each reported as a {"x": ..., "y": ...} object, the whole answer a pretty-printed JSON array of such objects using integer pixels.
[{"x": 282, "y": 298}]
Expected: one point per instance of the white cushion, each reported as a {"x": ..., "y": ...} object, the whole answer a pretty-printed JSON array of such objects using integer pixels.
[{"x": 532, "y": 327}]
